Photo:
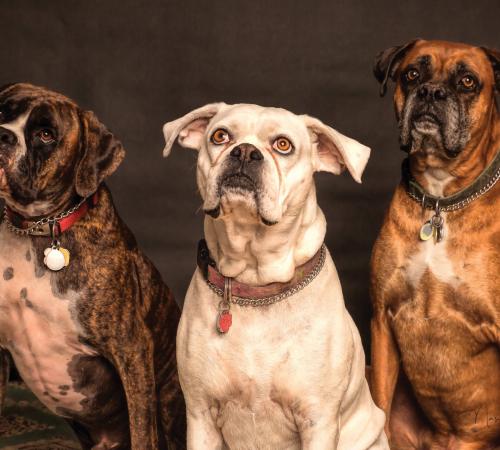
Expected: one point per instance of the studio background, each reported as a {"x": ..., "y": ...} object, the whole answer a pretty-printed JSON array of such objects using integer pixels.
[{"x": 140, "y": 64}]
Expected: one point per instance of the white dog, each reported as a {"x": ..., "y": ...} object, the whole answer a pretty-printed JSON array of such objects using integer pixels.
[{"x": 268, "y": 356}]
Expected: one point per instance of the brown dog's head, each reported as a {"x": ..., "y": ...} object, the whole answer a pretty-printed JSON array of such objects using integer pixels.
[
  {"x": 51, "y": 151},
  {"x": 445, "y": 94}
]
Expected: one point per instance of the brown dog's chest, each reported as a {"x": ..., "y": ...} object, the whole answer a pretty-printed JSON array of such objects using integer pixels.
[{"x": 443, "y": 305}]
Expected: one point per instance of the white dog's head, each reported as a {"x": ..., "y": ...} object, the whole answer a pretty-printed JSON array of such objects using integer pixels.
[{"x": 263, "y": 158}]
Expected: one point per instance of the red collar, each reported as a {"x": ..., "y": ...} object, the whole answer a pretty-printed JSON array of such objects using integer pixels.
[
  {"x": 249, "y": 295},
  {"x": 63, "y": 221}
]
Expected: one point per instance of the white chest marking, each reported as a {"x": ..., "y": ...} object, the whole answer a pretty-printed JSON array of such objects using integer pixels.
[
  {"x": 437, "y": 180},
  {"x": 433, "y": 257},
  {"x": 39, "y": 329}
]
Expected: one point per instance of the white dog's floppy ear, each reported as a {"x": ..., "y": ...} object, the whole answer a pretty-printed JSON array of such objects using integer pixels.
[
  {"x": 190, "y": 128},
  {"x": 334, "y": 151}
]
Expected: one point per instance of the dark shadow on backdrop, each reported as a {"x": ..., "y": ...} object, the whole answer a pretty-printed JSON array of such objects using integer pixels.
[{"x": 139, "y": 64}]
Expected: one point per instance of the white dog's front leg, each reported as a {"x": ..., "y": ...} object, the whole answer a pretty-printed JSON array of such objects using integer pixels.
[
  {"x": 321, "y": 435},
  {"x": 202, "y": 432}
]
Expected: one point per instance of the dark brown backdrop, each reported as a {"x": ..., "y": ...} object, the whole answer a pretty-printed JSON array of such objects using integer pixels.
[{"x": 139, "y": 64}]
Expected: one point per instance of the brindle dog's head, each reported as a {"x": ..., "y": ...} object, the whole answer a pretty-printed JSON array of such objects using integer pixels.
[
  {"x": 445, "y": 94},
  {"x": 51, "y": 151}
]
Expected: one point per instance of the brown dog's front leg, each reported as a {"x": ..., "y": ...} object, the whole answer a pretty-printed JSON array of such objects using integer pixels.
[
  {"x": 4, "y": 376},
  {"x": 134, "y": 362},
  {"x": 385, "y": 364}
]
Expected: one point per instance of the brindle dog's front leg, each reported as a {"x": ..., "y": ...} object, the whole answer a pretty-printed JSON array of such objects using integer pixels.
[
  {"x": 133, "y": 359},
  {"x": 4, "y": 376}
]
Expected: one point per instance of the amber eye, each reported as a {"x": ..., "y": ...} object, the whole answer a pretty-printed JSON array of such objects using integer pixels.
[
  {"x": 46, "y": 136},
  {"x": 468, "y": 82},
  {"x": 282, "y": 145},
  {"x": 220, "y": 136},
  {"x": 412, "y": 75}
]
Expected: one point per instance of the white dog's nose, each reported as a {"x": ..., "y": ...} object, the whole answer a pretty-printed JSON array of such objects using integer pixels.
[{"x": 246, "y": 152}]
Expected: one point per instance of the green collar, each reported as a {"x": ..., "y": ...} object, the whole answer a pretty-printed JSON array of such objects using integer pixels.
[{"x": 482, "y": 184}]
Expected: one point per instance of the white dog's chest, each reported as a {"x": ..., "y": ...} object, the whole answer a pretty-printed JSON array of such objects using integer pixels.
[
  {"x": 250, "y": 379},
  {"x": 38, "y": 328},
  {"x": 258, "y": 378}
]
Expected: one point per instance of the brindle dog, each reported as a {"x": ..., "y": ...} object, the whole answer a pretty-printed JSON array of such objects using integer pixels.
[
  {"x": 95, "y": 341},
  {"x": 436, "y": 324}
]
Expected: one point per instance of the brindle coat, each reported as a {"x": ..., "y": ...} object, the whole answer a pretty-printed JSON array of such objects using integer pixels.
[
  {"x": 436, "y": 323},
  {"x": 107, "y": 322}
]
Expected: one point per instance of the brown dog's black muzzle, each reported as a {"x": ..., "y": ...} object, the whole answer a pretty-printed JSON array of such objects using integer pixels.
[{"x": 430, "y": 92}]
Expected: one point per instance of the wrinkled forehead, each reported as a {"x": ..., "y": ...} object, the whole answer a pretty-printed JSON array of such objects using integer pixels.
[
  {"x": 32, "y": 103},
  {"x": 443, "y": 58},
  {"x": 244, "y": 120}
]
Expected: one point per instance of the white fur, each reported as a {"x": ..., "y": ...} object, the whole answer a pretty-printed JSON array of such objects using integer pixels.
[
  {"x": 17, "y": 127},
  {"x": 437, "y": 180},
  {"x": 240, "y": 244},
  {"x": 287, "y": 376},
  {"x": 43, "y": 338},
  {"x": 432, "y": 256}
]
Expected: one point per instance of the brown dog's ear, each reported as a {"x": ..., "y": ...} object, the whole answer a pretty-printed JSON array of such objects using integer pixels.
[
  {"x": 387, "y": 63},
  {"x": 494, "y": 57},
  {"x": 102, "y": 154}
]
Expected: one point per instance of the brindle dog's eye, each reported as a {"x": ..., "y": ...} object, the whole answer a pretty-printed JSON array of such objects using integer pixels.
[
  {"x": 282, "y": 145},
  {"x": 468, "y": 82},
  {"x": 46, "y": 136},
  {"x": 220, "y": 136},
  {"x": 412, "y": 75}
]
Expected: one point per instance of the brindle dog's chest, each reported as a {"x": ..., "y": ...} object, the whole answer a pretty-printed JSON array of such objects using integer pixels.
[{"x": 39, "y": 328}]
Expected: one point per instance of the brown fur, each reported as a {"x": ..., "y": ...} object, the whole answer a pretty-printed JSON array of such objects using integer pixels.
[
  {"x": 127, "y": 313},
  {"x": 435, "y": 347}
]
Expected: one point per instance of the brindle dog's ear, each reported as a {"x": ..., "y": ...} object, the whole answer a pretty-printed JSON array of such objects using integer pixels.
[
  {"x": 494, "y": 57},
  {"x": 102, "y": 154},
  {"x": 6, "y": 86},
  {"x": 387, "y": 63}
]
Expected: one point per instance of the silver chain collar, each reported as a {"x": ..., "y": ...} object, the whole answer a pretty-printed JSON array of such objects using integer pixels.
[
  {"x": 462, "y": 203},
  {"x": 37, "y": 228},
  {"x": 265, "y": 301}
]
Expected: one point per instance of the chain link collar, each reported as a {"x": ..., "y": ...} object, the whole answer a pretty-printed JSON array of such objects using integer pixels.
[
  {"x": 265, "y": 301},
  {"x": 461, "y": 199},
  {"x": 40, "y": 227}
]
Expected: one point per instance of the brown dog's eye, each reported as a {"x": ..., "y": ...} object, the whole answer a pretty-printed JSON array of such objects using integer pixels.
[
  {"x": 46, "y": 136},
  {"x": 220, "y": 136},
  {"x": 468, "y": 82},
  {"x": 282, "y": 145},
  {"x": 412, "y": 75}
]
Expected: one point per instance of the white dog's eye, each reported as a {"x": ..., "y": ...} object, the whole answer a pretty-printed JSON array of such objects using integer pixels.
[
  {"x": 220, "y": 136},
  {"x": 282, "y": 145}
]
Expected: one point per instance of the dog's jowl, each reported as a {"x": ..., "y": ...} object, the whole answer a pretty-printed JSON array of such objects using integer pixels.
[
  {"x": 268, "y": 356},
  {"x": 435, "y": 265},
  {"x": 84, "y": 314}
]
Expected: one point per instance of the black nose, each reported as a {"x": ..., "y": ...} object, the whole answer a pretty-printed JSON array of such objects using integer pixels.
[
  {"x": 7, "y": 137},
  {"x": 432, "y": 92},
  {"x": 246, "y": 152}
]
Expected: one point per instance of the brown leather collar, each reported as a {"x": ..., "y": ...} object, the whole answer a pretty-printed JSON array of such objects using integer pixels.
[{"x": 248, "y": 295}]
